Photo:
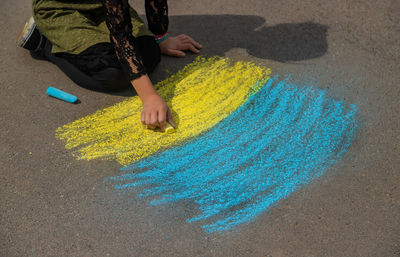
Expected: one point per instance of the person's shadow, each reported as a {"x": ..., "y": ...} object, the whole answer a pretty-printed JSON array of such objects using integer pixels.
[{"x": 220, "y": 33}]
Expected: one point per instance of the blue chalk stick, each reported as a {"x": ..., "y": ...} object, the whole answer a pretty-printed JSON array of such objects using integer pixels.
[{"x": 57, "y": 93}]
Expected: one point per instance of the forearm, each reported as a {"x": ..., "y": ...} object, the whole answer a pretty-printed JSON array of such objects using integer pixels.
[
  {"x": 157, "y": 16},
  {"x": 144, "y": 88}
]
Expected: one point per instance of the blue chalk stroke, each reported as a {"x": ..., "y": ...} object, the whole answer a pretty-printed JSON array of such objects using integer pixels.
[{"x": 282, "y": 138}]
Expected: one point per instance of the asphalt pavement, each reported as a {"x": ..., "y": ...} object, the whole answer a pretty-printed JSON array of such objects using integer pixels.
[{"x": 54, "y": 205}]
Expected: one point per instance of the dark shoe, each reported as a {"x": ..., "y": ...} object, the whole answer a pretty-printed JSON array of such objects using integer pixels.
[{"x": 30, "y": 38}]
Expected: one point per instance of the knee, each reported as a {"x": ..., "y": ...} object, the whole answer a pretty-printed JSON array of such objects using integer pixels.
[
  {"x": 151, "y": 62},
  {"x": 150, "y": 52},
  {"x": 110, "y": 80}
]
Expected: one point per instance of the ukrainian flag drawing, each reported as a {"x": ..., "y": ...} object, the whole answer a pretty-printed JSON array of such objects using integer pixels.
[{"x": 244, "y": 140}]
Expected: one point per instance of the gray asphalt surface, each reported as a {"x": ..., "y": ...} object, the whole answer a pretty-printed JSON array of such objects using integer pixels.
[{"x": 54, "y": 205}]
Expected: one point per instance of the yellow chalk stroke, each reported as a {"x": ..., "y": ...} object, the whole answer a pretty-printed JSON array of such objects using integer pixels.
[{"x": 200, "y": 95}]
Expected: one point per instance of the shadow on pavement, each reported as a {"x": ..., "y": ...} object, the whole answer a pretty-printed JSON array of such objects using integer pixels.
[
  {"x": 220, "y": 33},
  {"x": 282, "y": 42}
]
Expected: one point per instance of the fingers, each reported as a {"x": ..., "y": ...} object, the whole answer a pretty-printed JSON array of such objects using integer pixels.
[
  {"x": 187, "y": 43},
  {"x": 194, "y": 49},
  {"x": 170, "y": 118},
  {"x": 176, "y": 53},
  {"x": 143, "y": 118},
  {"x": 156, "y": 119},
  {"x": 196, "y": 44},
  {"x": 162, "y": 120},
  {"x": 188, "y": 46},
  {"x": 151, "y": 120}
]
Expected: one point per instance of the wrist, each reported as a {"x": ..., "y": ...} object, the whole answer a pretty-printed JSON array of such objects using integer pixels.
[
  {"x": 161, "y": 38},
  {"x": 150, "y": 98}
]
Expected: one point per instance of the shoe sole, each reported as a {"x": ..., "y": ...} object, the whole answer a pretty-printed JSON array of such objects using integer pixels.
[{"x": 26, "y": 32}]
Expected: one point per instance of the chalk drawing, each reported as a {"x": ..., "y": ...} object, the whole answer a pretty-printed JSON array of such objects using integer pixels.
[
  {"x": 282, "y": 138},
  {"x": 200, "y": 96},
  {"x": 244, "y": 141}
]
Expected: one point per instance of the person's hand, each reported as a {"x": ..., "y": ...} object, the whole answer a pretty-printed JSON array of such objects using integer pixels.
[
  {"x": 156, "y": 113},
  {"x": 174, "y": 46}
]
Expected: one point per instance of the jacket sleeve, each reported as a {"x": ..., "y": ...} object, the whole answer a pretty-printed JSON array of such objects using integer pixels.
[
  {"x": 157, "y": 16},
  {"x": 119, "y": 23}
]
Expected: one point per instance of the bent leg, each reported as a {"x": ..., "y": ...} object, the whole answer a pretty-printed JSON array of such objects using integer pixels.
[
  {"x": 98, "y": 68},
  {"x": 150, "y": 52}
]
